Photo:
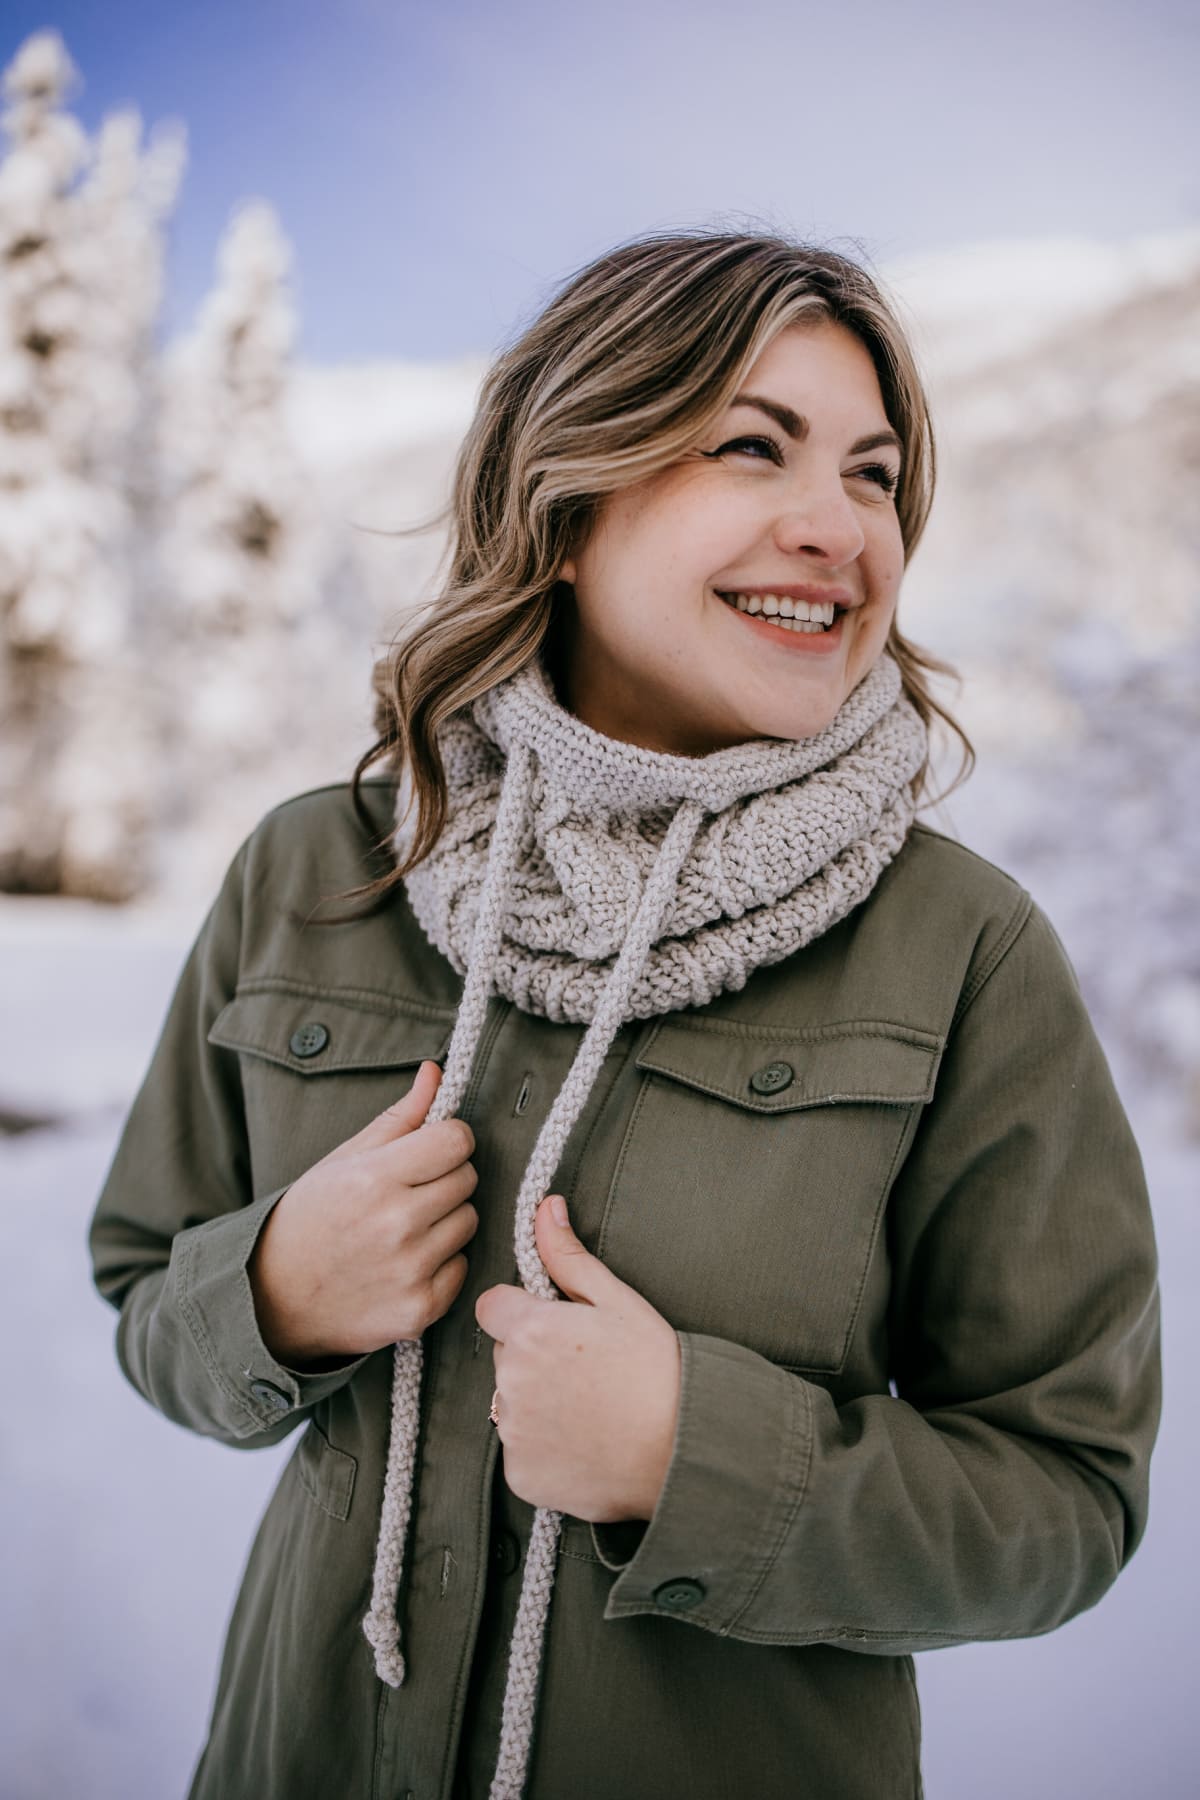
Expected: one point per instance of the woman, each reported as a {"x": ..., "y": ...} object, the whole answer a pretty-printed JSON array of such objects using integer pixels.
[{"x": 844, "y": 1344}]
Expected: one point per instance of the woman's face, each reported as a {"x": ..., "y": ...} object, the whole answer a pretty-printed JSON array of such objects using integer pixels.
[{"x": 673, "y": 641}]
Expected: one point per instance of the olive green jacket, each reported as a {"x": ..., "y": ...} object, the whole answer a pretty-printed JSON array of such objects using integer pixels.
[{"x": 890, "y": 1202}]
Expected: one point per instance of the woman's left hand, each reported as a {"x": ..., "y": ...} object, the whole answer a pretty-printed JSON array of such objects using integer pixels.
[{"x": 588, "y": 1386}]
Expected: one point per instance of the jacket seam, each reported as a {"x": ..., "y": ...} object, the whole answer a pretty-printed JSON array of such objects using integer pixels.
[
  {"x": 200, "y": 1337},
  {"x": 324, "y": 1454},
  {"x": 908, "y": 1128},
  {"x": 799, "y": 1400},
  {"x": 897, "y": 1029},
  {"x": 901, "y": 1634},
  {"x": 619, "y": 1170},
  {"x": 607, "y": 1095},
  {"x": 375, "y": 1000},
  {"x": 462, "y": 1678},
  {"x": 1017, "y": 922}
]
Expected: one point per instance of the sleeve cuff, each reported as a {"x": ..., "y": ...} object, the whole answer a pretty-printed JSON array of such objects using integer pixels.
[
  {"x": 217, "y": 1304},
  {"x": 737, "y": 1474}
]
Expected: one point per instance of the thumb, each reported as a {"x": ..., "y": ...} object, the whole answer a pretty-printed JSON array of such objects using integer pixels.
[
  {"x": 569, "y": 1262},
  {"x": 406, "y": 1114}
]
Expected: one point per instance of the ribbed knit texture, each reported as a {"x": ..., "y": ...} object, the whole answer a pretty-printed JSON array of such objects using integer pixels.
[{"x": 591, "y": 881}]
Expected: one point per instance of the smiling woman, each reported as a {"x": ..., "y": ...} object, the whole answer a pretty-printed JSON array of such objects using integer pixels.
[
  {"x": 837, "y": 1338},
  {"x": 656, "y": 648}
]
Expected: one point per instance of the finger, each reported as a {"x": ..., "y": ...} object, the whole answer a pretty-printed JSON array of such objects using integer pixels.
[
  {"x": 407, "y": 1114},
  {"x": 446, "y": 1283},
  {"x": 434, "y": 1200},
  {"x": 503, "y": 1310},
  {"x": 427, "y": 1153},
  {"x": 450, "y": 1235}
]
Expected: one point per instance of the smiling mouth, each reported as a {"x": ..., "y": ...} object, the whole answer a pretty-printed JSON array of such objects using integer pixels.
[{"x": 811, "y": 617}]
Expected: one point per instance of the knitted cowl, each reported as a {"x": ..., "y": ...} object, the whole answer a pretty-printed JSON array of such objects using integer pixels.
[{"x": 593, "y": 882}]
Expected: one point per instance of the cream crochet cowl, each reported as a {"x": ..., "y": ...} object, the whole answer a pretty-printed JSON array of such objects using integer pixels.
[{"x": 592, "y": 882}]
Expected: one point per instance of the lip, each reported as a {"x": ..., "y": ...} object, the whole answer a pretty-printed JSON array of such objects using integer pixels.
[
  {"x": 793, "y": 643},
  {"x": 794, "y": 590}
]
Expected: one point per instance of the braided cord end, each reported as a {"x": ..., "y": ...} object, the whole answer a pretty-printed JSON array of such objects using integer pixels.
[{"x": 381, "y": 1627}]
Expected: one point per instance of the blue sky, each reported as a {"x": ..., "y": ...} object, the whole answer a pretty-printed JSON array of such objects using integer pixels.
[{"x": 440, "y": 168}]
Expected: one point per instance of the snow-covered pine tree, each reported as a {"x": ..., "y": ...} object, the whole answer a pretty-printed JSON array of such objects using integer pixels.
[
  {"x": 247, "y": 559},
  {"x": 237, "y": 535},
  {"x": 81, "y": 245}
]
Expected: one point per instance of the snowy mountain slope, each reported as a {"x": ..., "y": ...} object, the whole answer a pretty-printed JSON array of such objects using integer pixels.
[
  {"x": 1067, "y": 488},
  {"x": 980, "y": 303}
]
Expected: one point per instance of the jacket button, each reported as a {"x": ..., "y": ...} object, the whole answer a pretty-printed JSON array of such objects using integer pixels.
[
  {"x": 506, "y": 1552},
  {"x": 268, "y": 1395},
  {"x": 773, "y": 1079},
  {"x": 310, "y": 1040},
  {"x": 679, "y": 1595}
]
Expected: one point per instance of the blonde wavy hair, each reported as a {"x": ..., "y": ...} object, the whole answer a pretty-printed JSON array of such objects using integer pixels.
[{"x": 626, "y": 369}]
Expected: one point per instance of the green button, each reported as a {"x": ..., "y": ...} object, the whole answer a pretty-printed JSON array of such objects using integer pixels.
[
  {"x": 679, "y": 1595},
  {"x": 773, "y": 1079},
  {"x": 267, "y": 1394},
  {"x": 310, "y": 1040}
]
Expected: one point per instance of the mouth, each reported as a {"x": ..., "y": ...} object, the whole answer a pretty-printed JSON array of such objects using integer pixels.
[{"x": 779, "y": 612}]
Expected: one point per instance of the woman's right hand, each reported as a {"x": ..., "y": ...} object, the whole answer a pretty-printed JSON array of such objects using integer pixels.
[{"x": 366, "y": 1247}]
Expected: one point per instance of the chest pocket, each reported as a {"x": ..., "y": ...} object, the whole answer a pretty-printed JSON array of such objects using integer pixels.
[
  {"x": 750, "y": 1187},
  {"x": 318, "y": 1064}
]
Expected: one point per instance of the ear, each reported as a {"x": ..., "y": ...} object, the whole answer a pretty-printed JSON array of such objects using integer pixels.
[{"x": 567, "y": 572}]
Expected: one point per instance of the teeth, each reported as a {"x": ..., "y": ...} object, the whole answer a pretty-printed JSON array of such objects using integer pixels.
[
  {"x": 779, "y": 606},
  {"x": 790, "y": 615}
]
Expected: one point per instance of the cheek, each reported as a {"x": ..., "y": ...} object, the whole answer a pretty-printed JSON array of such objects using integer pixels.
[{"x": 888, "y": 570}]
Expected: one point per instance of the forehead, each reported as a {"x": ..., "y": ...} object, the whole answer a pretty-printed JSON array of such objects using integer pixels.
[{"x": 823, "y": 363}]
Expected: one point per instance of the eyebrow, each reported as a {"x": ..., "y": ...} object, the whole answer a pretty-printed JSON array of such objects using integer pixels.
[{"x": 797, "y": 427}]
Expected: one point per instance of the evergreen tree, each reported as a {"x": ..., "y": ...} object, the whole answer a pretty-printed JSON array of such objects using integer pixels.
[
  {"x": 246, "y": 555},
  {"x": 80, "y": 281}
]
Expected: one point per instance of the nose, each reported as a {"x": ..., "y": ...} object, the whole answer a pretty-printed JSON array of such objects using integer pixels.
[{"x": 820, "y": 520}]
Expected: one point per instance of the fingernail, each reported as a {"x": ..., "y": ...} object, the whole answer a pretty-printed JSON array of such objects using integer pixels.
[{"x": 558, "y": 1207}]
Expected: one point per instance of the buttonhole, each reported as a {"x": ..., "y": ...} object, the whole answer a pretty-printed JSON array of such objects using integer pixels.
[
  {"x": 523, "y": 1096},
  {"x": 447, "y": 1560},
  {"x": 476, "y": 1340}
]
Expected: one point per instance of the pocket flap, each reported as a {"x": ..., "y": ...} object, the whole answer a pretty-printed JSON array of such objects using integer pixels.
[
  {"x": 768, "y": 1071},
  {"x": 319, "y": 1031},
  {"x": 326, "y": 1473}
]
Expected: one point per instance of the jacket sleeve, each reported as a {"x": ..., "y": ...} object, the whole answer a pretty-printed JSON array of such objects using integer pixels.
[
  {"x": 176, "y": 1222},
  {"x": 1004, "y": 1487}
]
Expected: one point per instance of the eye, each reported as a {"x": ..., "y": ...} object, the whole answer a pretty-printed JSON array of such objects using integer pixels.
[
  {"x": 761, "y": 448},
  {"x": 880, "y": 473}
]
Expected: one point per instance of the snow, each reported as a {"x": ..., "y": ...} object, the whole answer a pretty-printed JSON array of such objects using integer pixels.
[
  {"x": 125, "y": 1536},
  {"x": 342, "y": 414},
  {"x": 977, "y": 303}
]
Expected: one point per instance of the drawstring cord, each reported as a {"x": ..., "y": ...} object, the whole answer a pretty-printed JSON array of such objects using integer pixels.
[
  {"x": 382, "y": 1623},
  {"x": 541, "y": 1557}
]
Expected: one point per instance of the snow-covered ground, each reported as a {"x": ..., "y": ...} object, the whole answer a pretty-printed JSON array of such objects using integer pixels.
[{"x": 124, "y": 1536}]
